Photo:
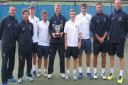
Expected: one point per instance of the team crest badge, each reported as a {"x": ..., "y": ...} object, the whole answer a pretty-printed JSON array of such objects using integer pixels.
[
  {"x": 23, "y": 28},
  {"x": 30, "y": 28},
  {"x": 120, "y": 18},
  {"x": 113, "y": 18},
  {"x": 104, "y": 19},
  {"x": 97, "y": 21},
  {"x": 9, "y": 25}
]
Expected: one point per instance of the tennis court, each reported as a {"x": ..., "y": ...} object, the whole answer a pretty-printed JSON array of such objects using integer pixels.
[{"x": 57, "y": 80}]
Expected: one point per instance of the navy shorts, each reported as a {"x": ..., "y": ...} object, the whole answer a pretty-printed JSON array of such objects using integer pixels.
[
  {"x": 72, "y": 51},
  {"x": 98, "y": 47},
  {"x": 116, "y": 48},
  {"x": 86, "y": 46},
  {"x": 43, "y": 51},
  {"x": 34, "y": 47}
]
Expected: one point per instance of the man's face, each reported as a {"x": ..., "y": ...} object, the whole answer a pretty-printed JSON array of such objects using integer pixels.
[
  {"x": 25, "y": 15},
  {"x": 99, "y": 8},
  {"x": 83, "y": 9},
  {"x": 72, "y": 15},
  {"x": 57, "y": 9},
  {"x": 117, "y": 4},
  {"x": 32, "y": 12},
  {"x": 12, "y": 11},
  {"x": 44, "y": 17}
]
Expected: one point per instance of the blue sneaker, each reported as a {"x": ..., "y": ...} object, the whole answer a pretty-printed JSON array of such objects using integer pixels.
[
  {"x": 12, "y": 80},
  {"x": 89, "y": 75},
  {"x": 80, "y": 76},
  {"x": 5, "y": 84},
  {"x": 34, "y": 73}
]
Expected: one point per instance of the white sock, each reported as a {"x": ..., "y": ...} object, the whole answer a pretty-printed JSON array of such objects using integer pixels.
[
  {"x": 45, "y": 70},
  {"x": 88, "y": 70},
  {"x": 112, "y": 70},
  {"x": 80, "y": 70},
  {"x": 68, "y": 71},
  {"x": 121, "y": 72},
  {"x": 39, "y": 70},
  {"x": 103, "y": 70},
  {"x": 34, "y": 67},
  {"x": 95, "y": 70},
  {"x": 74, "y": 71}
]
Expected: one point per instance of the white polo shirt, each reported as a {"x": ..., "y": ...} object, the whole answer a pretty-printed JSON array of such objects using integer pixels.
[
  {"x": 84, "y": 22},
  {"x": 43, "y": 30},
  {"x": 72, "y": 30},
  {"x": 34, "y": 21}
]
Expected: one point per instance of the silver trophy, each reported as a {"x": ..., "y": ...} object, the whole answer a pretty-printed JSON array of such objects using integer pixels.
[{"x": 57, "y": 30}]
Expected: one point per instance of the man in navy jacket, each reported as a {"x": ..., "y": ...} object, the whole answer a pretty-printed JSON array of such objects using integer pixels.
[
  {"x": 56, "y": 30},
  {"x": 24, "y": 36},
  {"x": 117, "y": 38},
  {"x": 100, "y": 27},
  {"x": 8, "y": 44}
]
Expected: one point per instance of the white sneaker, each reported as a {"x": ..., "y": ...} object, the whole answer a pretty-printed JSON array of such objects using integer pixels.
[
  {"x": 75, "y": 77},
  {"x": 45, "y": 75},
  {"x": 20, "y": 80},
  {"x": 103, "y": 76},
  {"x": 39, "y": 73},
  {"x": 49, "y": 76},
  {"x": 62, "y": 75},
  {"x": 67, "y": 76},
  {"x": 95, "y": 76},
  {"x": 29, "y": 78}
]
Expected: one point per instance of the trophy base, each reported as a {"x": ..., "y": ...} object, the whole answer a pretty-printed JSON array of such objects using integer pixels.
[{"x": 57, "y": 35}]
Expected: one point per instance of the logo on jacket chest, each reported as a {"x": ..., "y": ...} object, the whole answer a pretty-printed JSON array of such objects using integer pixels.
[
  {"x": 97, "y": 20},
  {"x": 104, "y": 19},
  {"x": 26, "y": 28},
  {"x": 113, "y": 18},
  {"x": 23, "y": 28},
  {"x": 120, "y": 18},
  {"x": 30, "y": 28},
  {"x": 9, "y": 25}
]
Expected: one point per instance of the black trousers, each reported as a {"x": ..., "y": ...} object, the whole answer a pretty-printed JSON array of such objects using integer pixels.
[
  {"x": 8, "y": 61},
  {"x": 61, "y": 51},
  {"x": 25, "y": 54}
]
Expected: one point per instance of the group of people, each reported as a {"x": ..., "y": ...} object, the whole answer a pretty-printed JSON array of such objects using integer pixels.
[{"x": 37, "y": 39}]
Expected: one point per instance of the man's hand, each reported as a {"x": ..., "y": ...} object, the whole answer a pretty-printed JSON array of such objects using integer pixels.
[
  {"x": 54, "y": 35},
  {"x": 65, "y": 46},
  {"x": 61, "y": 34},
  {"x": 101, "y": 39},
  {"x": 79, "y": 45}
]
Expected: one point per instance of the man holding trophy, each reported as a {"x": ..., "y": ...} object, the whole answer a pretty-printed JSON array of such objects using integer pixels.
[{"x": 56, "y": 30}]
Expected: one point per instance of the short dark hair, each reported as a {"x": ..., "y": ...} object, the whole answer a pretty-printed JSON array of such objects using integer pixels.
[
  {"x": 12, "y": 6},
  {"x": 83, "y": 5},
  {"x": 44, "y": 12},
  {"x": 25, "y": 10},
  {"x": 72, "y": 10},
  {"x": 99, "y": 3}
]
